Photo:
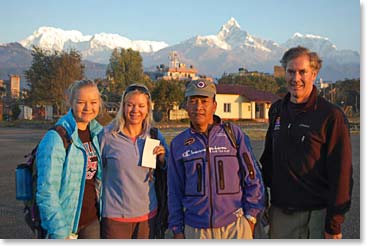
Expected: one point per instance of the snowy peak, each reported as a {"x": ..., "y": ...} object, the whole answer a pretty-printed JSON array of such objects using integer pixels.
[
  {"x": 319, "y": 44},
  {"x": 231, "y": 37},
  {"x": 109, "y": 40},
  {"x": 298, "y": 35},
  {"x": 228, "y": 28},
  {"x": 51, "y": 38},
  {"x": 232, "y": 23},
  {"x": 231, "y": 32}
]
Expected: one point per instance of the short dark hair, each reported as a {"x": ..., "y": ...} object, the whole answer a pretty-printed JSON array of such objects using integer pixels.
[{"x": 292, "y": 53}]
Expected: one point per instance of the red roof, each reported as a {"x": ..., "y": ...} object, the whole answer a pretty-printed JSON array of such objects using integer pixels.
[{"x": 250, "y": 93}]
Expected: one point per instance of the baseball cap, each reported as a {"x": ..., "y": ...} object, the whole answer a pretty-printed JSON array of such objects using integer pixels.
[{"x": 200, "y": 88}]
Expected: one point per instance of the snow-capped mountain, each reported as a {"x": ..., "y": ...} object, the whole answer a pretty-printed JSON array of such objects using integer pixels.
[
  {"x": 53, "y": 38},
  {"x": 226, "y": 51},
  {"x": 324, "y": 47},
  {"x": 232, "y": 48},
  {"x": 321, "y": 45},
  {"x": 15, "y": 59},
  {"x": 231, "y": 37},
  {"x": 97, "y": 47}
]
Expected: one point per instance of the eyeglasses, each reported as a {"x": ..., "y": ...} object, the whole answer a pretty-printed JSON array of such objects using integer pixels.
[{"x": 139, "y": 88}]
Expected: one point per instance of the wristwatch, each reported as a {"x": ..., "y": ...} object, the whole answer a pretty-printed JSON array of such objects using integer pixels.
[{"x": 250, "y": 218}]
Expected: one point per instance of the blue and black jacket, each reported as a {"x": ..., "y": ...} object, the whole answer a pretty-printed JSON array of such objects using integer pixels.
[{"x": 209, "y": 180}]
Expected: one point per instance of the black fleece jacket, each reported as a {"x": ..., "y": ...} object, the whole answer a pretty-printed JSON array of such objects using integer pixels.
[{"x": 307, "y": 160}]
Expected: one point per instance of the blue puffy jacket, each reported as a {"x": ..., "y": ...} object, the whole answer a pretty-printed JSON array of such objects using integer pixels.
[
  {"x": 61, "y": 178},
  {"x": 204, "y": 179}
]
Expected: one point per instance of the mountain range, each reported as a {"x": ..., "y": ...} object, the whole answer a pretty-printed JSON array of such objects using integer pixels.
[{"x": 225, "y": 52}]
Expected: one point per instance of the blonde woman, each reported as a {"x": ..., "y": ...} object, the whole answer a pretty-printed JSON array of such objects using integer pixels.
[
  {"x": 129, "y": 196},
  {"x": 69, "y": 181}
]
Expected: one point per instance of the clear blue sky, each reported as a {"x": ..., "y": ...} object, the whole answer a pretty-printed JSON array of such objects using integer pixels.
[{"x": 176, "y": 21}]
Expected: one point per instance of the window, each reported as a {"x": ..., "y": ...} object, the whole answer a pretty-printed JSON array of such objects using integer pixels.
[{"x": 227, "y": 108}]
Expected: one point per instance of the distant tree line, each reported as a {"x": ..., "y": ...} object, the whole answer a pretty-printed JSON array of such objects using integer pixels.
[
  {"x": 261, "y": 82},
  {"x": 344, "y": 93},
  {"x": 51, "y": 73}
]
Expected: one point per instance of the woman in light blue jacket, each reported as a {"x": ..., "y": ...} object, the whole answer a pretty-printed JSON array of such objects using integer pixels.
[{"x": 69, "y": 180}]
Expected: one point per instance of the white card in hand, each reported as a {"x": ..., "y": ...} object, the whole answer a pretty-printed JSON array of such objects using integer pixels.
[{"x": 149, "y": 159}]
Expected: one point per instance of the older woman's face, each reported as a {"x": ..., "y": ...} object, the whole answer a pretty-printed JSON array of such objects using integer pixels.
[
  {"x": 136, "y": 108},
  {"x": 86, "y": 104}
]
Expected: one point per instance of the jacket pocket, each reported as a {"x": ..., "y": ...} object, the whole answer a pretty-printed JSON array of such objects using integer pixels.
[
  {"x": 194, "y": 177},
  {"x": 227, "y": 175}
]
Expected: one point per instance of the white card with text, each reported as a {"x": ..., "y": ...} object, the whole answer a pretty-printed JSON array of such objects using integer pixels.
[{"x": 149, "y": 159}]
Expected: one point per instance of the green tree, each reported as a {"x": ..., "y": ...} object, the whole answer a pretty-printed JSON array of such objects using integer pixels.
[
  {"x": 68, "y": 68},
  {"x": 260, "y": 82},
  {"x": 39, "y": 75},
  {"x": 125, "y": 67},
  {"x": 166, "y": 94},
  {"x": 15, "y": 110},
  {"x": 282, "y": 84},
  {"x": 50, "y": 75},
  {"x": 348, "y": 93}
]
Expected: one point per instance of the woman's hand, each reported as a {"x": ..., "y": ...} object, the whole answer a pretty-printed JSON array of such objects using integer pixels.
[
  {"x": 331, "y": 236},
  {"x": 159, "y": 151}
]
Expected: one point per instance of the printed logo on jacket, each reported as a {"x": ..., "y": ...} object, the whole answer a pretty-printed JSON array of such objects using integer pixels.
[
  {"x": 92, "y": 160},
  {"x": 214, "y": 149}
]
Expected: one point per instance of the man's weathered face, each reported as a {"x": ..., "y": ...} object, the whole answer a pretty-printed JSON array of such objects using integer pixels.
[
  {"x": 201, "y": 110},
  {"x": 300, "y": 76}
]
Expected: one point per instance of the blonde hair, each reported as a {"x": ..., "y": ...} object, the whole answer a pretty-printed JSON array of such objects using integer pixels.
[
  {"x": 120, "y": 120},
  {"x": 77, "y": 85}
]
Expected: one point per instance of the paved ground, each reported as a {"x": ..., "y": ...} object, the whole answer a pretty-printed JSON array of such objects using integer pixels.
[{"x": 15, "y": 142}]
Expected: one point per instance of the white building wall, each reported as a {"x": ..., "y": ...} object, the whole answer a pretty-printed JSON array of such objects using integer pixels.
[
  {"x": 25, "y": 113},
  {"x": 246, "y": 110},
  {"x": 49, "y": 112},
  {"x": 267, "y": 107},
  {"x": 178, "y": 114},
  {"x": 253, "y": 110},
  {"x": 239, "y": 108}
]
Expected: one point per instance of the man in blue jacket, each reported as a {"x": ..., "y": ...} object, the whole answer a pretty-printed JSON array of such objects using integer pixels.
[{"x": 215, "y": 190}]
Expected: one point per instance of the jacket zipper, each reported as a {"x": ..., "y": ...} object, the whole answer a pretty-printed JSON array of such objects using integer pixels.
[
  {"x": 81, "y": 194},
  {"x": 99, "y": 187},
  {"x": 210, "y": 184},
  {"x": 210, "y": 187}
]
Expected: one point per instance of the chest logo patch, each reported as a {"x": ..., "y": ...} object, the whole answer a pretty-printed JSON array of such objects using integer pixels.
[
  {"x": 277, "y": 123},
  {"x": 189, "y": 141},
  {"x": 304, "y": 125}
]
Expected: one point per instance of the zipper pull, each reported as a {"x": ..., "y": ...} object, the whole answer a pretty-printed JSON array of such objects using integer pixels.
[{"x": 289, "y": 125}]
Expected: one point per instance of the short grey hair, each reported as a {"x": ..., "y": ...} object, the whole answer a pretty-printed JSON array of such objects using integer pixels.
[{"x": 292, "y": 53}]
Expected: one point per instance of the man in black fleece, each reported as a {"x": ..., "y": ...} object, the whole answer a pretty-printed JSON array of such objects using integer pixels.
[{"x": 307, "y": 161}]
